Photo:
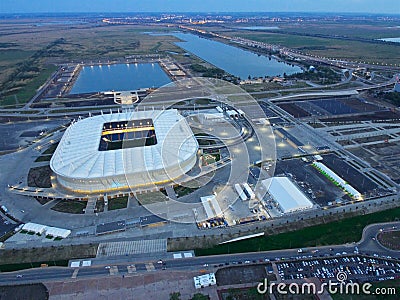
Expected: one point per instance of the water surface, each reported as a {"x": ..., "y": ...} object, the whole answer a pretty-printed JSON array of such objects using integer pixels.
[
  {"x": 236, "y": 61},
  {"x": 119, "y": 77}
]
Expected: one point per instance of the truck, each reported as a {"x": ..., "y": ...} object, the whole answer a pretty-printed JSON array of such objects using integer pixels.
[
  {"x": 3, "y": 208},
  {"x": 240, "y": 192},
  {"x": 249, "y": 192}
]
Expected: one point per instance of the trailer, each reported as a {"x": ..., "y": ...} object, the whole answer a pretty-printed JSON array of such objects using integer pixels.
[
  {"x": 249, "y": 191},
  {"x": 3, "y": 208},
  {"x": 240, "y": 192}
]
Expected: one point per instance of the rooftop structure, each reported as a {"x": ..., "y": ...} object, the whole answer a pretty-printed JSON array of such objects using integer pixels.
[
  {"x": 131, "y": 149},
  {"x": 286, "y": 194},
  {"x": 204, "y": 280},
  {"x": 211, "y": 206},
  {"x": 338, "y": 180},
  {"x": 48, "y": 230}
]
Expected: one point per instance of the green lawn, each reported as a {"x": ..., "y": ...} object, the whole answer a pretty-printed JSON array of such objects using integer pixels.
[
  {"x": 16, "y": 267},
  {"x": 51, "y": 149},
  {"x": 339, "y": 232},
  {"x": 183, "y": 190},
  {"x": 26, "y": 92},
  {"x": 152, "y": 197},
  {"x": 352, "y": 50},
  {"x": 70, "y": 206},
  {"x": 118, "y": 203},
  {"x": 43, "y": 158}
]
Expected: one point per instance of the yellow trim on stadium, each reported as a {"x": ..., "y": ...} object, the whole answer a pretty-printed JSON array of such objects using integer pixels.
[
  {"x": 127, "y": 130},
  {"x": 125, "y": 187}
]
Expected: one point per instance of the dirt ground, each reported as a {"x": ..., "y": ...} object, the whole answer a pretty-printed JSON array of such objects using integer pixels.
[
  {"x": 240, "y": 275},
  {"x": 133, "y": 286},
  {"x": 24, "y": 291}
]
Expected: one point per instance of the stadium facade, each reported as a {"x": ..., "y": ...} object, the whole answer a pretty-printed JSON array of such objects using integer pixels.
[{"x": 117, "y": 151}]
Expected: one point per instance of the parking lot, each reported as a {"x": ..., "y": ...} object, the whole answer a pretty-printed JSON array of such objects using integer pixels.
[
  {"x": 316, "y": 186},
  {"x": 357, "y": 268},
  {"x": 334, "y": 106},
  {"x": 16, "y": 134},
  {"x": 5, "y": 226},
  {"x": 357, "y": 179}
]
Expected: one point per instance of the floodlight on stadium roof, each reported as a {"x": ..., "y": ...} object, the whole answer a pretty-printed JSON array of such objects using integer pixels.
[{"x": 88, "y": 160}]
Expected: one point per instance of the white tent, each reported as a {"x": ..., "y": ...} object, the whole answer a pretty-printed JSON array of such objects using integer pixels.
[
  {"x": 58, "y": 232},
  {"x": 211, "y": 206},
  {"x": 33, "y": 227},
  {"x": 286, "y": 194}
]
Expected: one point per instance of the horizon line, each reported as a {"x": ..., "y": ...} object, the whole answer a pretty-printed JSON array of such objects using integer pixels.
[{"x": 206, "y": 12}]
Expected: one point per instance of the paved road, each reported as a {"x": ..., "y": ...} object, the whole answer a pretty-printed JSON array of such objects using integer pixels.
[{"x": 100, "y": 267}]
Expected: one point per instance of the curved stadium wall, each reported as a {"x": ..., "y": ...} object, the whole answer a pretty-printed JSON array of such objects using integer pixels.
[{"x": 124, "y": 150}]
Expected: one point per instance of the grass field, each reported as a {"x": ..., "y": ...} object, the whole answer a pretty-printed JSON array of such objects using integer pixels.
[
  {"x": 43, "y": 158},
  {"x": 51, "y": 149},
  {"x": 27, "y": 257},
  {"x": 333, "y": 48},
  {"x": 70, "y": 206},
  {"x": 339, "y": 232},
  {"x": 152, "y": 197},
  {"x": 118, "y": 203},
  {"x": 183, "y": 190},
  {"x": 28, "y": 89}
]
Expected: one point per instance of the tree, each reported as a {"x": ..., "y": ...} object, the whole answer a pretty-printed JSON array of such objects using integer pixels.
[{"x": 175, "y": 296}]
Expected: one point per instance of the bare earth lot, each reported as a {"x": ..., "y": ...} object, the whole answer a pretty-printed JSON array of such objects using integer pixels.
[{"x": 147, "y": 286}]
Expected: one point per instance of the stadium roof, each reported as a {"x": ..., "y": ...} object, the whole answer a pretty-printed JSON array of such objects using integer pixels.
[
  {"x": 288, "y": 196},
  {"x": 78, "y": 156}
]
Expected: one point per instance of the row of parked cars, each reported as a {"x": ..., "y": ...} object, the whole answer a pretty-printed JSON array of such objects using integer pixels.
[{"x": 356, "y": 267}]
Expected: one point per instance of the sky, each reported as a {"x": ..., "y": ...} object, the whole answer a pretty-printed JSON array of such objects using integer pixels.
[{"x": 51, "y": 6}]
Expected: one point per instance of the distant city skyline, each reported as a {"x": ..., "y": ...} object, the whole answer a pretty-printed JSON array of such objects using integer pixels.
[{"x": 335, "y": 6}]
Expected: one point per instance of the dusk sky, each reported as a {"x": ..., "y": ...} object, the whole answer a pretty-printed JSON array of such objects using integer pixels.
[{"x": 32, "y": 6}]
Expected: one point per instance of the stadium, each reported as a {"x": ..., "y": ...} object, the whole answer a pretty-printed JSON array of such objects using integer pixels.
[{"x": 112, "y": 152}]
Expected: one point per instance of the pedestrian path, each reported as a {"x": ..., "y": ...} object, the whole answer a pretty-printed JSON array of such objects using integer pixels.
[
  {"x": 90, "y": 206},
  {"x": 131, "y": 247}
]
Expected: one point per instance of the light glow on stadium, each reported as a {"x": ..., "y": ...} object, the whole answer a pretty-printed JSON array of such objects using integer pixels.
[{"x": 118, "y": 151}]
